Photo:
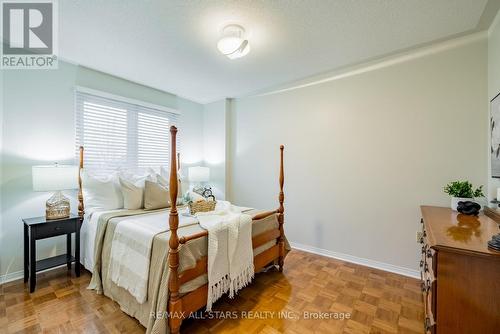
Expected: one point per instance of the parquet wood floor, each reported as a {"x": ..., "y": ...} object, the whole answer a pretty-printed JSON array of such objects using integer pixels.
[{"x": 377, "y": 302}]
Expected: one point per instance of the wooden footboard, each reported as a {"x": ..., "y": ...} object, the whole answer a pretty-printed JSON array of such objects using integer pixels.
[
  {"x": 200, "y": 267},
  {"x": 196, "y": 299}
]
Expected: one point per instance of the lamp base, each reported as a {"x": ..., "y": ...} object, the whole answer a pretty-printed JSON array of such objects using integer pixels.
[
  {"x": 204, "y": 191},
  {"x": 57, "y": 206}
]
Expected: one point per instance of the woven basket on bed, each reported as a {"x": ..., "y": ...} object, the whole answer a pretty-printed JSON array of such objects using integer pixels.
[{"x": 201, "y": 206}]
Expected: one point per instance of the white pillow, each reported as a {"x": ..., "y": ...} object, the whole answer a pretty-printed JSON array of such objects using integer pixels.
[
  {"x": 156, "y": 196},
  {"x": 182, "y": 186},
  {"x": 136, "y": 174},
  {"x": 101, "y": 192},
  {"x": 165, "y": 172},
  {"x": 133, "y": 193},
  {"x": 164, "y": 182},
  {"x": 132, "y": 187}
]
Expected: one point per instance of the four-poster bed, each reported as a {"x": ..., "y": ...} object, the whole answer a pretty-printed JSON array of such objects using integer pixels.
[{"x": 268, "y": 242}]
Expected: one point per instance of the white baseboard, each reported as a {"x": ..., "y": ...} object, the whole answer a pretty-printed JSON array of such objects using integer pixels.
[
  {"x": 20, "y": 274},
  {"x": 310, "y": 249},
  {"x": 358, "y": 260},
  {"x": 11, "y": 277}
]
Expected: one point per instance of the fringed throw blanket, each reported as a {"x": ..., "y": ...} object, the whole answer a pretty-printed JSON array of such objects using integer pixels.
[{"x": 230, "y": 253}]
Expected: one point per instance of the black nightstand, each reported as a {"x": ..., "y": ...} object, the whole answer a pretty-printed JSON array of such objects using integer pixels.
[{"x": 40, "y": 228}]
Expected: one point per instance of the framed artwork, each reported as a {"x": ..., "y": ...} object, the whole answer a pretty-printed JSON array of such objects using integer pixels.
[{"x": 495, "y": 136}]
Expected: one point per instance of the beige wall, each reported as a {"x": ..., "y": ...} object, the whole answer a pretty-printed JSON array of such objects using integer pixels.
[{"x": 364, "y": 151}]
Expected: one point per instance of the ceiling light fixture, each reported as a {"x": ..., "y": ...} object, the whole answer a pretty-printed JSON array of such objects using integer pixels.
[{"x": 233, "y": 43}]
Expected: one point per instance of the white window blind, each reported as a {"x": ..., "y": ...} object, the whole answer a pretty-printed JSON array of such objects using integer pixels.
[{"x": 122, "y": 133}]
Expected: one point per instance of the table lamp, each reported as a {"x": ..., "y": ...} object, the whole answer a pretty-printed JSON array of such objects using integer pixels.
[
  {"x": 55, "y": 178},
  {"x": 198, "y": 175}
]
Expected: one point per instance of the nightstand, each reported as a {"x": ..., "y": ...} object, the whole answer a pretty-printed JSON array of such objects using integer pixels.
[{"x": 40, "y": 228}]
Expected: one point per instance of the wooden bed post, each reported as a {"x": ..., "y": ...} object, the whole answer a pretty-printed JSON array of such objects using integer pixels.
[
  {"x": 281, "y": 211},
  {"x": 178, "y": 169},
  {"x": 175, "y": 303},
  {"x": 81, "y": 210}
]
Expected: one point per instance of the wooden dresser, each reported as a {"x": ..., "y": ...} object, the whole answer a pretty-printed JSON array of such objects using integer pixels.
[{"x": 460, "y": 275}]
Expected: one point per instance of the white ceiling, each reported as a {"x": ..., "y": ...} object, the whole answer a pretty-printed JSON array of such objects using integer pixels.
[{"x": 171, "y": 45}]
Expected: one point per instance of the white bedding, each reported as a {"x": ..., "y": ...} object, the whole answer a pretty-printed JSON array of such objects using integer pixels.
[
  {"x": 89, "y": 229},
  {"x": 131, "y": 250},
  {"x": 87, "y": 237}
]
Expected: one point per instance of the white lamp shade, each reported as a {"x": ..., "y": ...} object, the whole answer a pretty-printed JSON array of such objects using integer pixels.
[
  {"x": 199, "y": 174},
  {"x": 54, "y": 177}
]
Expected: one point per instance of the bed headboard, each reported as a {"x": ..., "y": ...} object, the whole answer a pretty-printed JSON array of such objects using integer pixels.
[{"x": 81, "y": 208}]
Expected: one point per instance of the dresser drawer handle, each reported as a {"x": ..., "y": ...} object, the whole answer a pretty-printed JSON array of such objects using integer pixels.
[{"x": 57, "y": 228}]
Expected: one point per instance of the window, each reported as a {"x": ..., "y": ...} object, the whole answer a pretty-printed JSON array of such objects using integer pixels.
[{"x": 120, "y": 132}]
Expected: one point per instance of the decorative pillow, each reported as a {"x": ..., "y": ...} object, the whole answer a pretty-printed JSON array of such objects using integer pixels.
[
  {"x": 164, "y": 173},
  {"x": 133, "y": 193},
  {"x": 135, "y": 174},
  {"x": 162, "y": 180},
  {"x": 165, "y": 182},
  {"x": 156, "y": 196},
  {"x": 101, "y": 192},
  {"x": 183, "y": 186}
]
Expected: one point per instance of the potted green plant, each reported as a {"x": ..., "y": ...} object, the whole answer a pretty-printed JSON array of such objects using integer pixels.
[{"x": 462, "y": 191}]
